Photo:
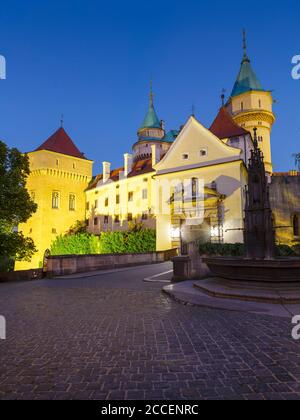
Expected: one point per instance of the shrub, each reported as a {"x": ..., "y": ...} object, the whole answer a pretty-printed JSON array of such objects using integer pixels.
[
  {"x": 222, "y": 250},
  {"x": 238, "y": 250},
  {"x": 130, "y": 242},
  {"x": 80, "y": 244}
]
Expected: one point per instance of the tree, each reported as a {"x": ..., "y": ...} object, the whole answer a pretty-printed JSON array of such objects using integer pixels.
[{"x": 16, "y": 205}]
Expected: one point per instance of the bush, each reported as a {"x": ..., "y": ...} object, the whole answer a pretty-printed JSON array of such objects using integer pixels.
[
  {"x": 238, "y": 250},
  {"x": 80, "y": 244},
  {"x": 222, "y": 250},
  {"x": 131, "y": 242}
]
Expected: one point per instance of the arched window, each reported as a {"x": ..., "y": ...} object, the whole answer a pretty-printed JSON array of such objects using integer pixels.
[{"x": 296, "y": 225}]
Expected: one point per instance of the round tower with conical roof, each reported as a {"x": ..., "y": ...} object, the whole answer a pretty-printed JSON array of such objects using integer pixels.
[
  {"x": 152, "y": 132},
  {"x": 251, "y": 106}
]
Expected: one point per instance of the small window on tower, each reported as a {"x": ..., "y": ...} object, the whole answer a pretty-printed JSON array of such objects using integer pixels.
[
  {"x": 72, "y": 202},
  {"x": 259, "y": 103},
  {"x": 203, "y": 152},
  {"x": 242, "y": 106},
  {"x": 55, "y": 200},
  {"x": 185, "y": 156}
]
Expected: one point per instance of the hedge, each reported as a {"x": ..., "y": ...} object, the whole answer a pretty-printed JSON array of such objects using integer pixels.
[
  {"x": 80, "y": 244},
  {"x": 238, "y": 250},
  {"x": 107, "y": 243}
]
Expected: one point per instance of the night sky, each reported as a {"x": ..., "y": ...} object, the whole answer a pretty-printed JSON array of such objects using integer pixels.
[{"x": 92, "y": 61}]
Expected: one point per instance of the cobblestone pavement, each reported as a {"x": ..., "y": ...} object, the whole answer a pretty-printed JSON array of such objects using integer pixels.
[{"x": 116, "y": 337}]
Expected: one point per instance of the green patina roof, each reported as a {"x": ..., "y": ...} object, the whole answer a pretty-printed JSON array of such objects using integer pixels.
[
  {"x": 151, "y": 120},
  {"x": 247, "y": 79}
]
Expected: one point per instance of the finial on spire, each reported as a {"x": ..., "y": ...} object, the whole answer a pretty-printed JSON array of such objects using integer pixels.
[
  {"x": 245, "y": 57},
  {"x": 62, "y": 120},
  {"x": 193, "y": 110},
  {"x": 151, "y": 92},
  {"x": 223, "y": 96},
  {"x": 255, "y": 141}
]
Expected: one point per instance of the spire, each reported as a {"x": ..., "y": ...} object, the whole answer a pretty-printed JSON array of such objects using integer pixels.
[
  {"x": 245, "y": 57},
  {"x": 247, "y": 79},
  {"x": 151, "y": 120}
]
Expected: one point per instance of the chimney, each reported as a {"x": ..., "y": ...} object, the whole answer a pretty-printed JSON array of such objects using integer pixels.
[
  {"x": 106, "y": 171},
  {"x": 127, "y": 164},
  {"x": 155, "y": 154}
]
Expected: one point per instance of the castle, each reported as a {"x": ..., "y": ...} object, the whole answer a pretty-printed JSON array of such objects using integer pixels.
[{"x": 62, "y": 185}]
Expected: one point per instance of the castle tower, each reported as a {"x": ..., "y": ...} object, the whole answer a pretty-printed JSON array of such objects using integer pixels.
[
  {"x": 251, "y": 106},
  {"x": 152, "y": 132},
  {"x": 59, "y": 176}
]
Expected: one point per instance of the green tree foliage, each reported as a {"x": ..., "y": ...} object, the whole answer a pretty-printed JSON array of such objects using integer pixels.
[
  {"x": 16, "y": 205},
  {"x": 79, "y": 227}
]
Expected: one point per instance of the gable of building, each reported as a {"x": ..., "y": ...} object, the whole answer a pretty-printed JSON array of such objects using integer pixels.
[{"x": 194, "y": 147}]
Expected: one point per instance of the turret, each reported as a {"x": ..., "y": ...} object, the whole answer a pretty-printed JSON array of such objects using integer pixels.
[{"x": 251, "y": 106}]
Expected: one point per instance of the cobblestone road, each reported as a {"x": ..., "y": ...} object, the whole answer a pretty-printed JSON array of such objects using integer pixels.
[{"x": 116, "y": 337}]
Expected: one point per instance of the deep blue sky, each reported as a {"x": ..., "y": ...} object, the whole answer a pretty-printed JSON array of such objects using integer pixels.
[{"x": 92, "y": 61}]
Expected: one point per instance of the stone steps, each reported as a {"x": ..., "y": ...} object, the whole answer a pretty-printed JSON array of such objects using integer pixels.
[{"x": 249, "y": 291}]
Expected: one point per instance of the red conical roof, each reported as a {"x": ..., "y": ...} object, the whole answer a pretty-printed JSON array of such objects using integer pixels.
[
  {"x": 60, "y": 142},
  {"x": 224, "y": 126}
]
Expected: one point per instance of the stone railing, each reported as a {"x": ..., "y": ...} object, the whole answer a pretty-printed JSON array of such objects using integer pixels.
[{"x": 72, "y": 264}]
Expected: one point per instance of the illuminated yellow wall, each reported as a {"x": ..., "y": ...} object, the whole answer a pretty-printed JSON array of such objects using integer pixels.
[
  {"x": 255, "y": 110},
  {"x": 97, "y": 210},
  {"x": 222, "y": 166},
  {"x": 54, "y": 173}
]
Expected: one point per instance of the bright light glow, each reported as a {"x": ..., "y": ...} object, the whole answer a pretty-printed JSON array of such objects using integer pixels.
[
  {"x": 175, "y": 233},
  {"x": 214, "y": 231}
]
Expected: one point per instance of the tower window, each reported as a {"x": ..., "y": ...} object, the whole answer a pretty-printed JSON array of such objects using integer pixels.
[
  {"x": 96, "y": 221},
  {"x": 296, "y": 225},
  {"x": 130, "y": 196},
  {"x": 145, "y": 215},
  {"x": 106, "y": 202},
  {"x": 259, "y": 103},
  {"x": 203, "y": 152},
  {"x": 129, "y": 217},
  {"x": 185, "y": 156},
  {"x": 57, "y": 162},
  {"x": 145, "y": 194},
  {"x": 87, "y": 206},
  {"x": 118, "y": 199},
  {"x": 106, "y": 220},
  {"x": 72, "y": 202},
  {"x": 96, "y": 204},
  {"x": 117, "y": 219},
  {"x": 55, "y": 200},
  {"x": 242, "y": 106}
]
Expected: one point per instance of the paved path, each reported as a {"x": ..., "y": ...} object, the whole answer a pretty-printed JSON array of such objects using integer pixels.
[{"x": 114, "y": 336}]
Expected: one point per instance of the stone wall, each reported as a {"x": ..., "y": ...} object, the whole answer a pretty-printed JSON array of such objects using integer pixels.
[
  {"x": 24, "y": 275},
  {"x": 285, "y": 203},
  {"x": 71, "y": 264}
]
